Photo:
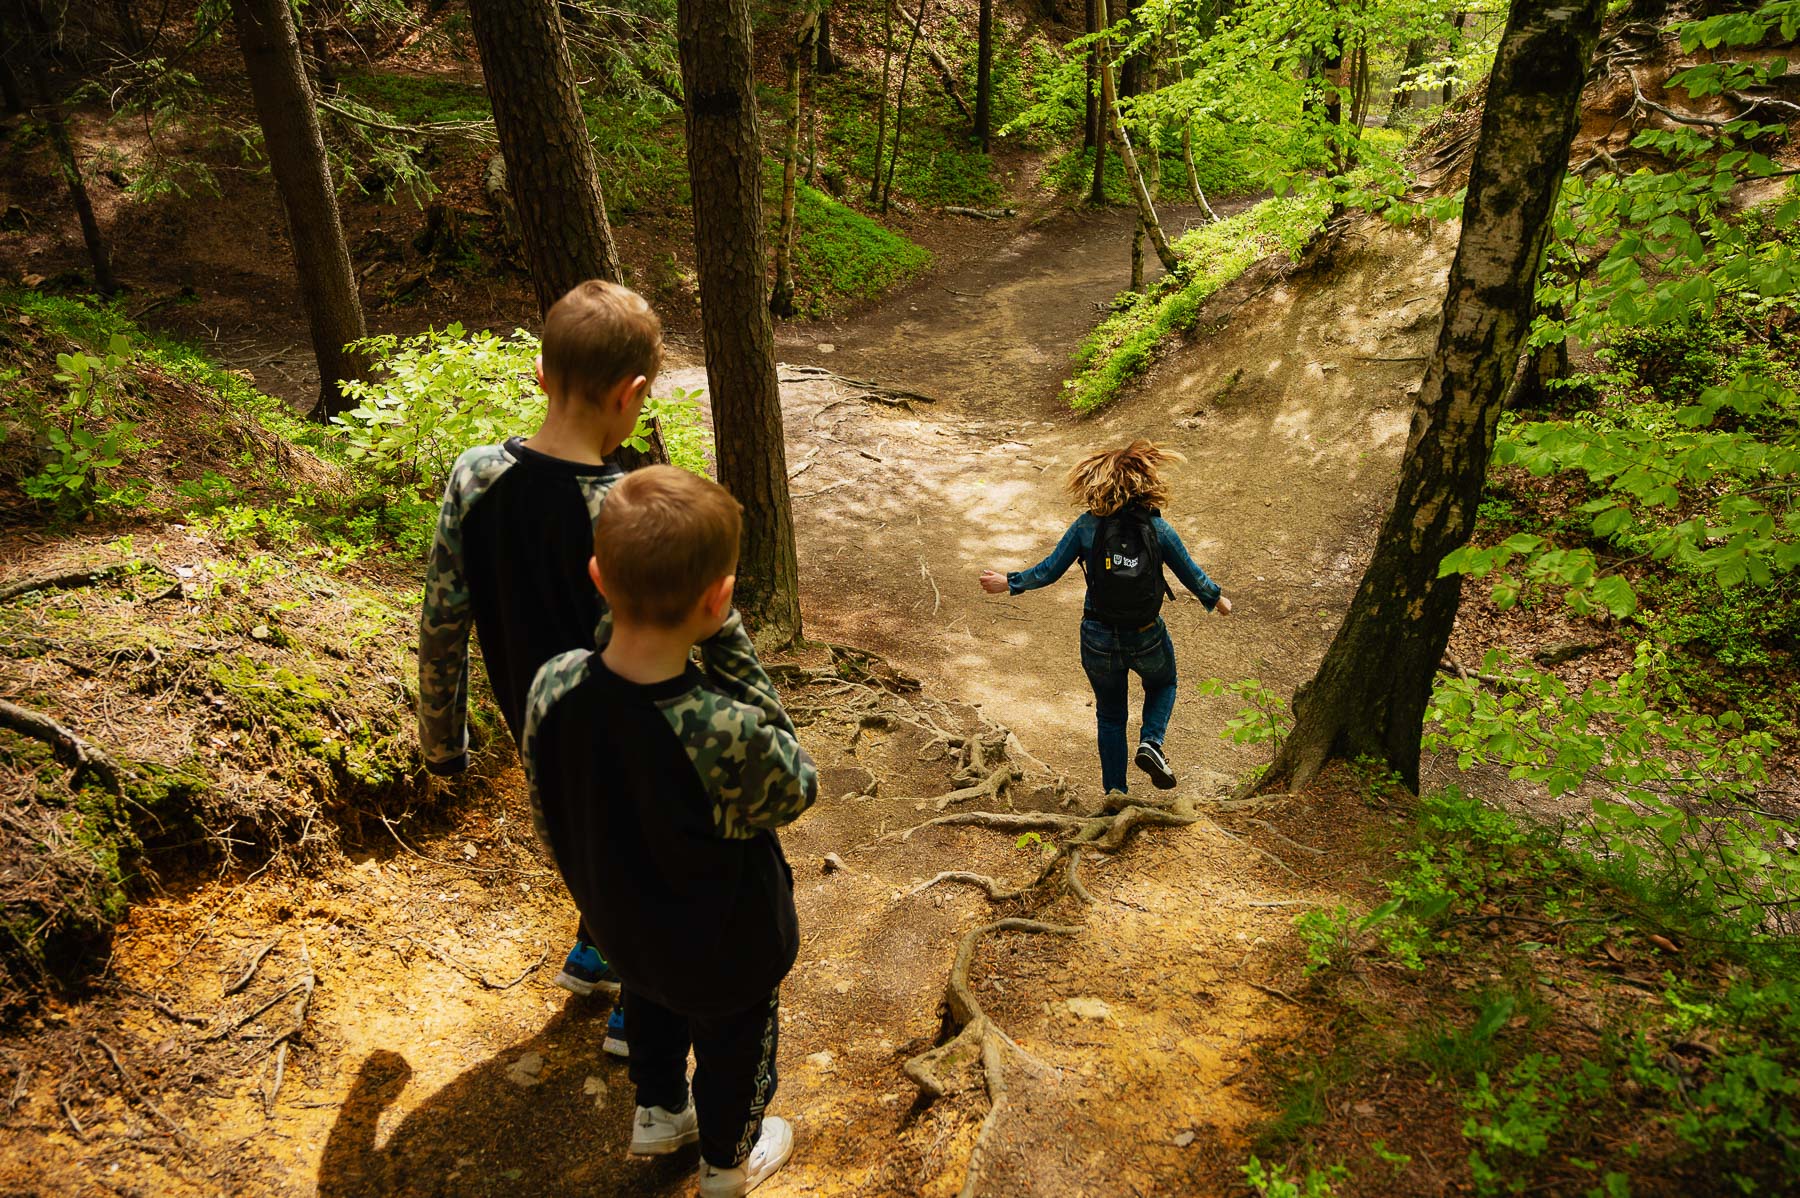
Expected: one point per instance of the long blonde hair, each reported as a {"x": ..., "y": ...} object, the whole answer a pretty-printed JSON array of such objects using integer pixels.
[{"x": 1113, "y": 479}]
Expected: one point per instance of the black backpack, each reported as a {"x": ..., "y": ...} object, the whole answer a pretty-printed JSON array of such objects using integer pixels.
[{"x": 1124, "y": 570}]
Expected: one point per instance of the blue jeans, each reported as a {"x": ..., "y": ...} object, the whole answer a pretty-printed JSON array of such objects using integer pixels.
[{"x": 1110, "y": 655}]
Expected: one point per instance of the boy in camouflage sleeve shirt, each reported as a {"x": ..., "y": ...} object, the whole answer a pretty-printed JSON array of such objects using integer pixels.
[
  {"x": 514, "y": 536},
  {"x": 658, "y": 785}
]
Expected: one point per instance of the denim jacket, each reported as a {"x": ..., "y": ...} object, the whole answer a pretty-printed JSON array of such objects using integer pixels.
[{"x": 1078, "y": 542}]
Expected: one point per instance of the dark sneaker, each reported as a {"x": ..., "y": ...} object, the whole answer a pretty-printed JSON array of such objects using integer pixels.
[
  {"x": 1152, "y": 762},
  {"x": 614, "y": 1044},
  {"x": 586, "y": 971}
]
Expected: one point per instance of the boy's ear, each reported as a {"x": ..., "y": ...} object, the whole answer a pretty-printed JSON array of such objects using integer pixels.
[
  {"x": 537, "y": 368},
  {"x": 633, "y": 391},
  {"x": 717, "y": 598},
  {"x": 594, "y": 573}
]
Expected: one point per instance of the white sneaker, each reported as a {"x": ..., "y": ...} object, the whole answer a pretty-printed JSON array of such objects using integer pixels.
[
  {"x": 773, "y": 1147},
  {"x": 657, "y": 1132}
]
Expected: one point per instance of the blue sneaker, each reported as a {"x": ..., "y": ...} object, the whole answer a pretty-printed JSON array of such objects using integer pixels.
[
  {"x": 586, "y": 971},
  {"x": 614, "y": 1044}
]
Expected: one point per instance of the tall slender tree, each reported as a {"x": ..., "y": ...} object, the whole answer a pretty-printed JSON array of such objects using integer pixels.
[
  {"x": 887, "y": 71},
  {"x": 1371, "y": 690},
  {"x": 543, "y": 137},
  {"x": 725, "y": 172},
  {"x": 1090, "y": 125},
  {"x": 1098, "y": 20},
  {"x": 984, "y": 73},
  {"x": 1149, "y": 225},
  {"x": 918, "y": 31},
  {"x": 28, "y": 35},
  {"x": 825, "y": 61},
  {"x": 781, "y": 296},
  {"x": 290, "y": 124}
]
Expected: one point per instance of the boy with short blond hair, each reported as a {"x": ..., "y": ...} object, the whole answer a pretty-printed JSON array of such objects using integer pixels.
[
  {"x": 658, "y": 785},
  {"x": 515, "y": 533}
]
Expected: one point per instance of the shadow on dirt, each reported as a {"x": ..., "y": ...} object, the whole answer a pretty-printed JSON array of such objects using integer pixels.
[{"x": 550, "y": 1115}]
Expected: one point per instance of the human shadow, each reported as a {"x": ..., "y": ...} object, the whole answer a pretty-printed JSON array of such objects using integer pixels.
[{"x": 500, "y": 1128}]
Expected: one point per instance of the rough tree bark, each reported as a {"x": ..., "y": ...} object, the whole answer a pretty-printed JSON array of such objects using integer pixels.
[
  {"x": 1370, "y": 692},
  {"x": 918, "y": 27},
  {"x": 781, "y": 296},
  {"x": 825, "y": 62},
  {"x": 33, "y": 35},
  {"x": 887, "y": 70},
  {"x": 544, "y": 139},
  {"x": 1152, "y": 227},
  {"x": 725, "y": 174},
  {"x": 984, "y": 73},
  {"x": 290, "y": 124}
]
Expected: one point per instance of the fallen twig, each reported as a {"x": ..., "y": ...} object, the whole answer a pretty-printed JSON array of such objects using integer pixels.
[
  {"x": 132, "y": 1088},
  {"x": 256, "y": 959},
  {"x": 1277, "y": 993}
]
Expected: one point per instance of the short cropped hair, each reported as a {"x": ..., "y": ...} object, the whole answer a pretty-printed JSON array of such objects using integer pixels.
[
  {"x": 598, "y": 334},
  {"x": 663, "y": 537}
]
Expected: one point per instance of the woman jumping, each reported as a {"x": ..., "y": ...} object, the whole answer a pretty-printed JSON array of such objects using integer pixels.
[{"x": 1122, "y": 543}]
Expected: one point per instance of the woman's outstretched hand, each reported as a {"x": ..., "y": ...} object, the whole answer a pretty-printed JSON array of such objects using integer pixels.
[
  {"x": 1223, "y": 606},
  {"x": 993, "y": 582}
]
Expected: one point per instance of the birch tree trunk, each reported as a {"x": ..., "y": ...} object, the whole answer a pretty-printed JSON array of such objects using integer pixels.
[
  {"x": 724, "y": 152},
  {"x": 544, "y": 139},
  {"x": 290, "y": 124},
  {"x": 1193, "y": 174},
  {"x": 1133, "y": 175},
  {"x": 1371, "y": 690}
]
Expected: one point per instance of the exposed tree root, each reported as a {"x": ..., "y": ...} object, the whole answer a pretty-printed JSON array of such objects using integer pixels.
[
  {"x": 991, "y": 787},
  {"x": 70, "y": 748},
  {"x": 964, "y": 1010},
  {"x": 896, "y": 397},
  {"x": 71, "y": 579}
]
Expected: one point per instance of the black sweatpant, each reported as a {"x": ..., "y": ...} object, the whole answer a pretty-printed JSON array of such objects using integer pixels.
[{"x": 734, "y": 1069}]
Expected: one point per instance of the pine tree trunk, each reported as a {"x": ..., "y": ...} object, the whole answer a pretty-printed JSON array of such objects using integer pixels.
[
  {"x": 1371, "y": 690},
  {"x": 544, "y": 139},
  {"x": 1134, "y": 176},
  {"x": 31, "y": 42},
  {"x": 290, "y": 125},
  {"x": 724, "y": 151},
  {"x": 887, "y": 68},
  {"x": 887, "y": 186},
  {"x": 1090, "y": 121},
  {"x": 781, "y": 297},
  {"x": 1137, "y": 257},
  {"x": 984, "y": 73}
]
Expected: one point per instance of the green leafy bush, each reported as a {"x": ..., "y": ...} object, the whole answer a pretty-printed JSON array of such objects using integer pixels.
[
  {"x": 441, "y": 391},
  {"x": 88, "y": 434}
]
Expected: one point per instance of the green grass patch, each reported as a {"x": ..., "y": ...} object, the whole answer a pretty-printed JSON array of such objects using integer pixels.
[
  {"x": 418, "y": 99},
  {"x": 840, "y": 254},
  {"x": 938, "y": 164},
  {"x": 1125, "y": 343}
]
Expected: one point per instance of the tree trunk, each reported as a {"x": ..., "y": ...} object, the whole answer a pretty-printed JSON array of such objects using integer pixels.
[
  {"x": 724, "y": 151},
  {"x": 544, "y": 138},
  {"x": 825, "y": 62},
  {"x": 1137, "y": 257},
  {"x": 1415, "y": 58},
  {"x": 1090, "y": 125},
  {"x": 984, "y": 73},
  {"x": 918, "y": 26},
  {"x": 290, "y": 124},
  {"x": 946, "y": 74},
  {"x": 1453, "y": 47},
  {"x": 1134, "y": 176},
  {"x": 887, "y": 67},
  {"x": 36, "y": 35},
  {"x": 1331, "y": 71},
  {"x": 1130, "y": 80},
  {"x": 1370, "y": 693},
  {"x": 131, "y": 34},
  {"x": 781, "y": 297},
  {"x": 1193, "y": 174}
]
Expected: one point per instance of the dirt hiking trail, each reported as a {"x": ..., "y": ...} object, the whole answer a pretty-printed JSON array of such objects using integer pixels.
[{"x": 438, "y": 1058}]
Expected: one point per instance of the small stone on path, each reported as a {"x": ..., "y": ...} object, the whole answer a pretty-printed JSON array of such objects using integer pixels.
[
  {"x": 823, "y": 1059},
  {"x": 826, "y": 347},
  {"x": 596, "y": 1088},
  {"x": 833, "y": 864},
  {"x": 1184, "y": 1139},
  {"x": 527, "y": 1070},
  {"x": 1088, "y": 1008}
]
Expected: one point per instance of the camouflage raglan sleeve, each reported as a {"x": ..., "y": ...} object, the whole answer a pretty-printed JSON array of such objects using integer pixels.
[
  {"x": 748, "y": 758},
  {"x": 730, "y": 661},
  {"x": 555, "y": 679},
  {"x": 445, "y": 617}
]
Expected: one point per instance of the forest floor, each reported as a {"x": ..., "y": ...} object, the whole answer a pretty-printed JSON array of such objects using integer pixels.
[{"x": 438, "y": 1058}]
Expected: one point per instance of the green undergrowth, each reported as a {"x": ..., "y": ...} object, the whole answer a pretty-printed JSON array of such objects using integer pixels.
[
  {"x": 1222, "y": 156},
  {"x": 1575, "y": 1025},
  {"x": 938, "y": 164},
  {"x": 1125, "y": 344},
  {"x": 232, "y": 622},
  {"x": 839, "y": 254}
]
